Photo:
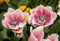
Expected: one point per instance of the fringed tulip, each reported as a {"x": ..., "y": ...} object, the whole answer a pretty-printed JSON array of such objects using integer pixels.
[{"x": 42, "y": 16}]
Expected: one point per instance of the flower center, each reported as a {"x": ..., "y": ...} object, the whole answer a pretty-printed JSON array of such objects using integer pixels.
[
  {"x": 14, "y": 23},
  {"x": 42, "y": 18}
]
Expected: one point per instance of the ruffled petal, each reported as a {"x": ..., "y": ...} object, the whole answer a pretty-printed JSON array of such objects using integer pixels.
[{"x": 53, "y": 37}]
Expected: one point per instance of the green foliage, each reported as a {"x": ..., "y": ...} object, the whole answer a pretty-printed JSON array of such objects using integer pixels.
[{"x": 26, "y": 32}]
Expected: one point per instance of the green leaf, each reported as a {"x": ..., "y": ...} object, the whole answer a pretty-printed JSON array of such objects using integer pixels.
[
  {"x": 55, "y": 28},
  {"x": 4, "y": 33},
  {"x": 3, "y": 7},
  {"x": 1, "y": 18},
  {"x": 25, "y": 36},
  {"x": 26, "y": 32},
  {"x": 23, "y": 2},
  {"x": 11, "y": 6}
]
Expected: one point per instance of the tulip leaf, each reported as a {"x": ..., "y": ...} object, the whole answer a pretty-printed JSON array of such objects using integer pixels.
[
  {"x": 26, "y": 33},
  {"x": 55, "y": 28}
]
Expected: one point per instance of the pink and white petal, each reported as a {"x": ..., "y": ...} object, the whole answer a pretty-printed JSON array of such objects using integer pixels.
[
  {"x": 4, "y": 23},
  {"x": 49, "y": 7},
  {"x": 33, "y": 22},
  {"x": 15, "y": 13},
  {"x": 36, "y": 9},
  {"x": 8, "y": 20},
  {"x": 8, "y": 15},
  {"x": 30, "y": 19},
  {"x": 53, "y": 37},
  {"x": 58, "y": 5},
  {"x": 20, "y": 15},
  {"x": 58, "y": 13},
  {"x": 32, "y": 11},
  {"x": 13, "y": 27},
  {"x": 54, "y": 16},
  {"x": 25, "y": 14},
  {"x": 40, "y": 6},
  {"x": 22, "y": 24},
  {"x": 38, "y": 33},
  {"x": 46, "y": 40},
  {"x": 18, "y": 30},
  {"x": 51, "y": 22},
  {"x": 36, "y": 22},
  {"x": 7, "y": 23},
  {"x": 32, "y": 37},
  {"x": 39, "y": 10},
  {"x": 31, "y": 29},
  {"x": 11, "y": 10}
]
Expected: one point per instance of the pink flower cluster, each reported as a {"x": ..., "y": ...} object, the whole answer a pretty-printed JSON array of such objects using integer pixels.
[{"x": 40, "y": 17}]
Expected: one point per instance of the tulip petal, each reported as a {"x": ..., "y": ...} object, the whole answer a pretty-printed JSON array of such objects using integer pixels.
[{"x": 53, "y": 37}]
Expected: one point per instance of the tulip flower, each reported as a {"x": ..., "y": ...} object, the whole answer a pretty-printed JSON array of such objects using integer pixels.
[{"x": 42, "y": 16}]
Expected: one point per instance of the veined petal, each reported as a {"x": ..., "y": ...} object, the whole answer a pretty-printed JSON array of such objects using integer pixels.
[
  {"x": 53, "y": 37},
  {"x": 36, "y": 34},
  {"x": 32, "y": 38}
]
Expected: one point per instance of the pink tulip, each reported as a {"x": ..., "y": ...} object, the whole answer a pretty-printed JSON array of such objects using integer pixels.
[
  {"x": 15, "y": 20},
  {"x": 42, "y": 16},
  {"x": 38, "y": 35},
  {"x": 53, "y": 37}
]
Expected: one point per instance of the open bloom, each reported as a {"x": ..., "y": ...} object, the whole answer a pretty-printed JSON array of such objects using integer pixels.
[
  {"x": 15, "y": 20},
  {"x": 38, "y": 35},
  {"x": 42, "y": 16}
]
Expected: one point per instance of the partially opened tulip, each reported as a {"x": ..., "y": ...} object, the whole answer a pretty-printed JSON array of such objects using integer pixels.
[
  {"x": 42, "y": 16},
  {"x": 38, "y": 35},
  {"x": 53, "y": 37},
  {"x": 15, "y": 20}
]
